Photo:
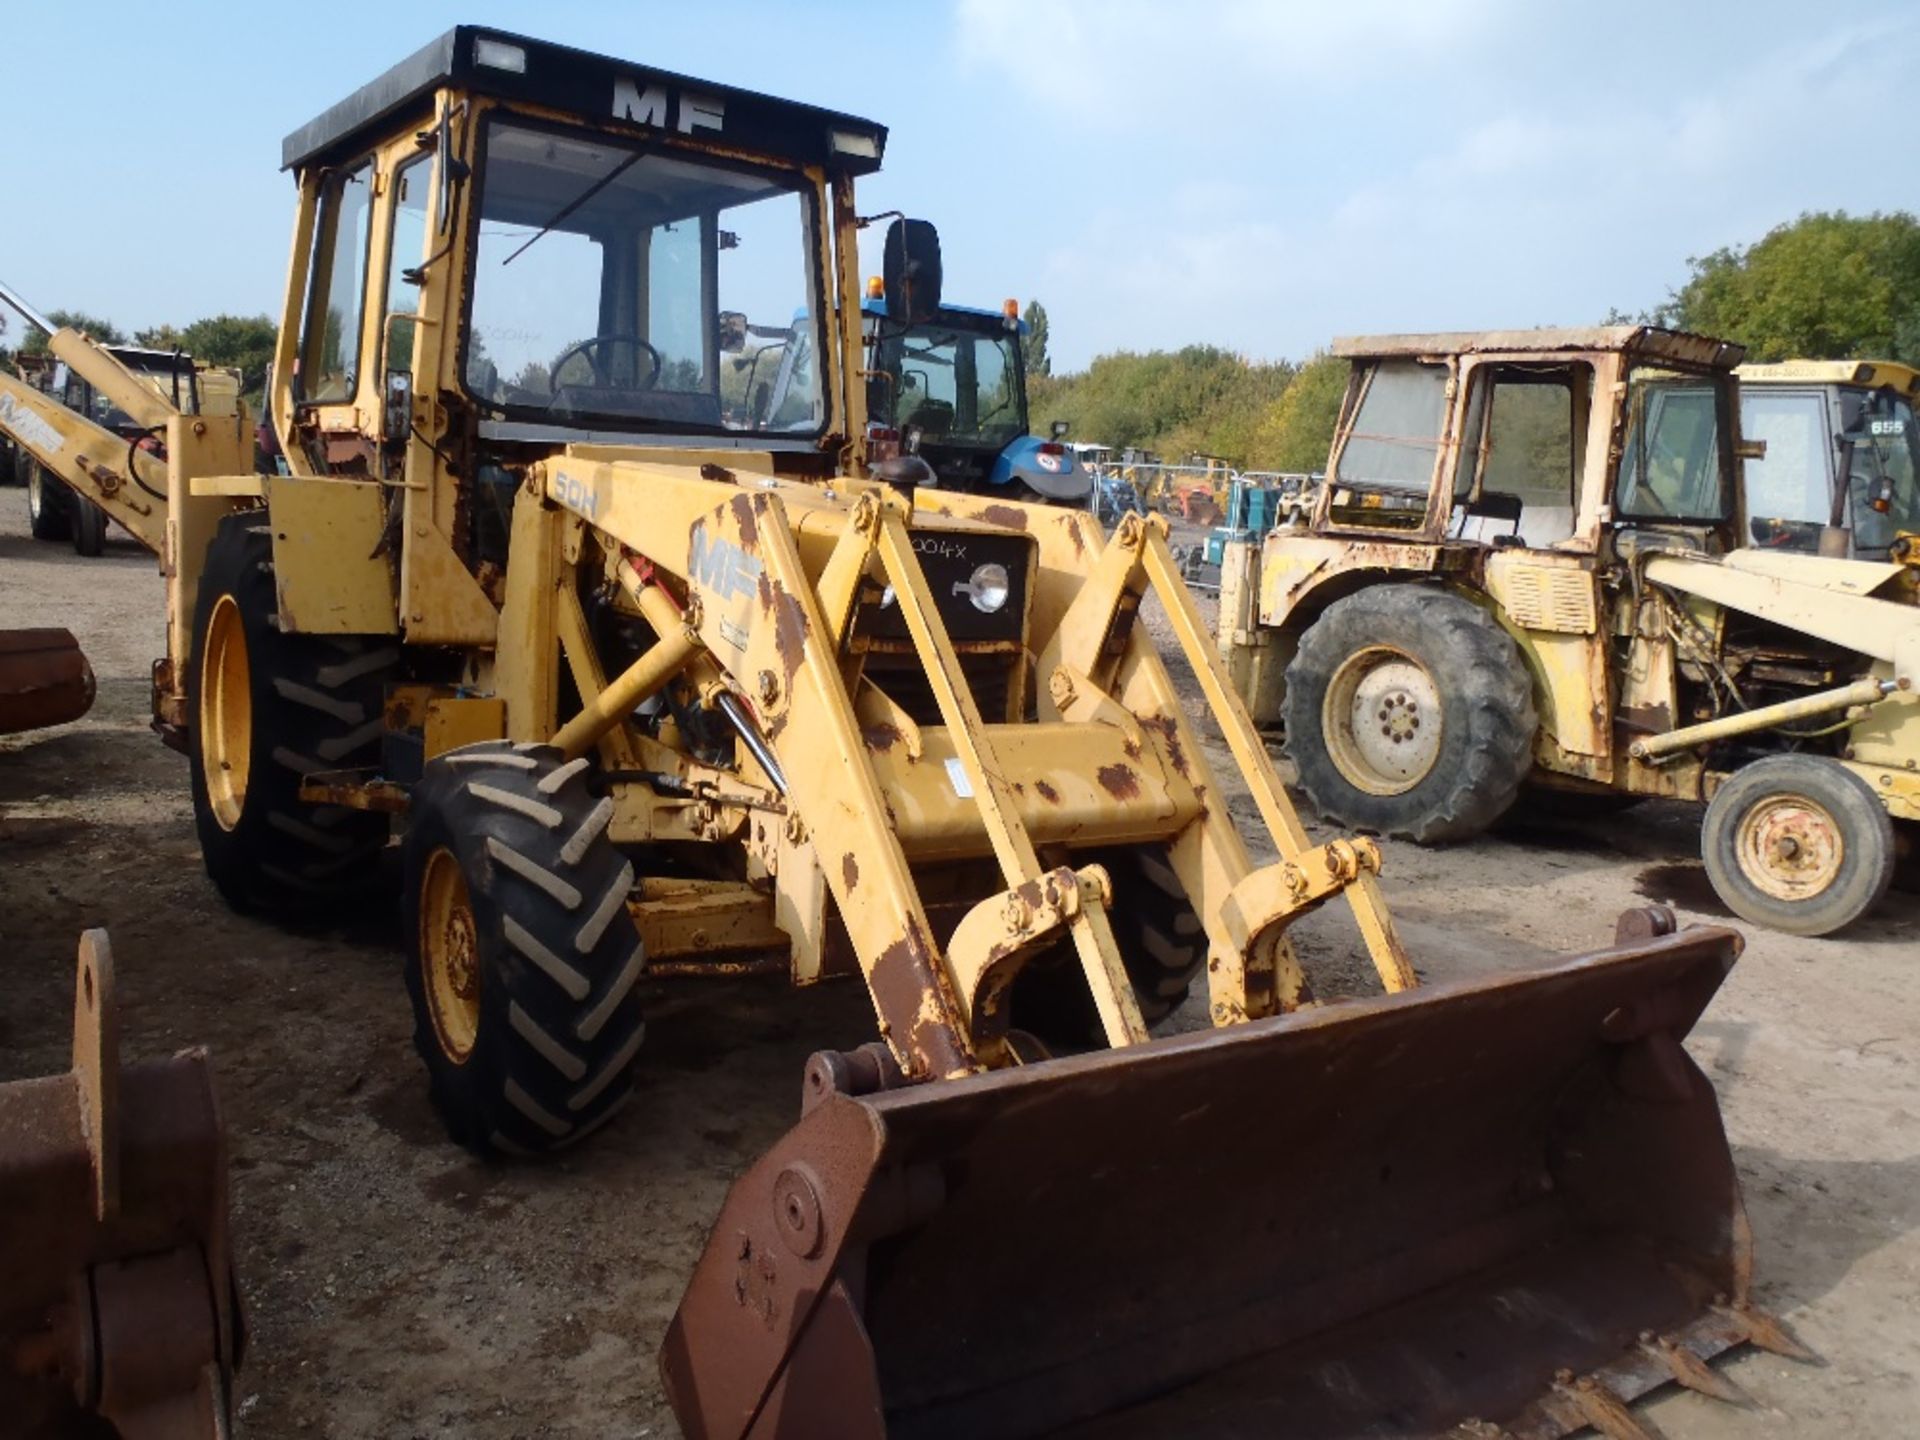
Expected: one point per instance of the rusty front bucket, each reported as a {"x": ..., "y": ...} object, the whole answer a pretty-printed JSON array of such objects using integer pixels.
[
  {"x": 1506, "y": 1205},
  {"x": 44, "y": 679}
]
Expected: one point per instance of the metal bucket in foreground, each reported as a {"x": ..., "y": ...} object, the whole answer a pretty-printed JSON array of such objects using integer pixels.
[
  {"x": 1507, "y": 1205},
  {"x": 44, "y": 679},
  {"x": 117, "y": 1295}
]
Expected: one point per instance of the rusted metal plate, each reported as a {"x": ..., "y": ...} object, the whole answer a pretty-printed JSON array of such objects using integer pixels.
[
  {"x": 44, "y": 679},
  {"x": 1389, "y": 1217},
  {"x": 119, "y": 1296}
]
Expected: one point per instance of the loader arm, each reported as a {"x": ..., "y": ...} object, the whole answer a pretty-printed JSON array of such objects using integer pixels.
[
  {"x": 89, "y": 458},
  {"x": 1753, "y": 584}
]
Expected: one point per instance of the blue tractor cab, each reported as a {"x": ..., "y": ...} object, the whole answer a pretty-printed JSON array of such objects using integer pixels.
[{"x": 958, "y": 383}]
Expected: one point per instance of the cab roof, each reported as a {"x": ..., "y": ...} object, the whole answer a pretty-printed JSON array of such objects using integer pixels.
[
  {"x": 1651, "y": 341},
  {"x": 598, "y": 88},
  {"x": 968, "y": 317},
  {"x": 1871, "y": 373}
]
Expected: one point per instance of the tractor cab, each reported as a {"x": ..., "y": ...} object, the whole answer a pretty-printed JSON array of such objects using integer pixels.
[
  {"x": 1546, "y": 440},
  {"x": 954, "y": 389},
  {"x": 1841, "y": 472}
]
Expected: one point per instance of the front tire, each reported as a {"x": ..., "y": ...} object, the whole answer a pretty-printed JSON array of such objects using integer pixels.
[
  {"x": 1409, "y": 712},
  {"x": 46, "y": 516},
  {"x": 266, "y": 710},
  {"x": 522, "y": 956},
  {"x": 89, "y": 527},
  {"x": 1161, "y": 942},
  {"x": 1798, "y": 843}
]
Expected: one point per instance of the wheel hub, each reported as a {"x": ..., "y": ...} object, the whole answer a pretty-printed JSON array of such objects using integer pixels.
[
  {"x": 1382, "y": 721},
  {"x": 1790, "y": 847},
  {"x": 450, "y": 956},
  {"x": 225, "y": 720}
]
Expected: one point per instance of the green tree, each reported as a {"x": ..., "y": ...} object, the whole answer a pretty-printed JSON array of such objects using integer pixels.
[
  {"x": 1201, "y": 399},
  {"x": 1828, "y": 286},
  {"x": 242, "y": 342},
  {"x": 1296, "y": 431},
  {"x": 1033, "y": 345},
  {"x": 105, "y": 331}
]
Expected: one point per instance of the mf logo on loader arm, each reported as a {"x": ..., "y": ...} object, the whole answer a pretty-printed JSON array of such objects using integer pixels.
[{"x": 727, "y": 573}]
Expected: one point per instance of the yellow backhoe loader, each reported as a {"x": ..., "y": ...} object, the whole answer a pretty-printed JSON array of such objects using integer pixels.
[{"x": 658, "y": 680}]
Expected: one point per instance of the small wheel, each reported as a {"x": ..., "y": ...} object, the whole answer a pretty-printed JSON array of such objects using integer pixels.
[
  {"x": 265, "y": 710},
  {"x": 1409, "y": 711},
  {"x": 1798, "y": 843},
  {"x": 46, "y": 512},
  {"x": 522, "y": 956},
  {"x": 89, "y": 527}
]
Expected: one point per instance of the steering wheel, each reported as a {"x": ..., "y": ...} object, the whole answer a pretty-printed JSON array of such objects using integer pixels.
[{"x": 591, "y": 349}]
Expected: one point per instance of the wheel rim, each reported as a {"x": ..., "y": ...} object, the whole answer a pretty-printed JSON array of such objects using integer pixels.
[
  {"x": 1382, "y": 720},
  {"x": 449, "y": 956},
  {"x": 1790, "y": 847},
  {"x": 226, "y": 713}
]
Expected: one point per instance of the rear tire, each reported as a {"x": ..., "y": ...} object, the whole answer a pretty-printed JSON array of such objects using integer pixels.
[
  {"x": 1798, "y": 843},
  {"x": 1409, "y": 712},
  {"x": 46, "y": 516},
  {"x": 265, "y": 710},
  {"x": 522, "y": 956},
  {"x": 89, "y": 527}
]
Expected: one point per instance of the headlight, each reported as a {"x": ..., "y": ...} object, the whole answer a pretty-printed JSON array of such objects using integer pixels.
[{"x": 987, "y": 588}]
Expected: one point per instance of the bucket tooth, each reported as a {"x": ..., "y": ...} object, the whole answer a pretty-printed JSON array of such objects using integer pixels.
[
  {"x": 1601, "y": 1408},
  {"x": 1764, "y": 1332},
  {"x": 1690, "y": 1370}
]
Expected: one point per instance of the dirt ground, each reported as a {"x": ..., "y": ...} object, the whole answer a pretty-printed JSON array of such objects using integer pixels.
[{"x": 399, "y": 1288}]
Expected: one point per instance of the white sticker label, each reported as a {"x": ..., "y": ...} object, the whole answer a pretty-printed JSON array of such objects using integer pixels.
[
  {"x": 957, "y": 773},
  {"x": 30, "y": 427}
]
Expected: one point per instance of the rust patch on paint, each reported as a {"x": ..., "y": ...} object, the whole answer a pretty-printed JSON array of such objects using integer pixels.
[
  {"x": 1168, "y": 729},
  {"x": 1073, "y": 533},
  {"x": 1047, "y": 792},
  {"x": 789, "y": 631},
  {"x": 1119, "y": 781},
  {"x": 1012, "y": 517},
  {"x": 743, "y": 507},
  {"x": 850, "y": 870},
  {"x": 904, "y": 977},
  {"x": 883, "y": 736}
]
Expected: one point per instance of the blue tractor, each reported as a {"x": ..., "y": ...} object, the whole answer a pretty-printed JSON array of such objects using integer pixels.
[{"x": 955, "y": 390}]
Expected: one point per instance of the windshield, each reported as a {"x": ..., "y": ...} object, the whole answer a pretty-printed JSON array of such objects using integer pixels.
[
  {"x": 1394, "y": 440},
  {"x": 958, "y": 386},
  {"x": 1790, "y": 488},
  {"x": 1881, "y": 447},
  {"x": 1672, "y": 468},
  {"x": 616, "y": 285}
]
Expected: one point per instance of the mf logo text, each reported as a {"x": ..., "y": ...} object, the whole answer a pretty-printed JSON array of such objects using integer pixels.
[{"x": 720, "y": 566}]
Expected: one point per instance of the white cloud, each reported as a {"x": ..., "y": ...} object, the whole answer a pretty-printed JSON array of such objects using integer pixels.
[
  {"x": 1116, "y": 64},
  {"x": 1533, "y": 211}
]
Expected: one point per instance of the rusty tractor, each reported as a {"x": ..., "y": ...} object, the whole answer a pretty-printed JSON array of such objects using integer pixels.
[
  {"x": 654, "y": 678},
  {"x": 1531, "y": 564}
]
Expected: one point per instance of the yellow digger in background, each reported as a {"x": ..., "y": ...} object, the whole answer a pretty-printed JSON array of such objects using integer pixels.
[{"x": 654, "y": 679}]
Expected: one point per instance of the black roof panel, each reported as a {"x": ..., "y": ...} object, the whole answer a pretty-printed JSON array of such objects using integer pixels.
[{"x": 599, "y": 88}]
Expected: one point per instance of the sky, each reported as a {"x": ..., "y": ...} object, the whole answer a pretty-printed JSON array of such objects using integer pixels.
[{"x": 1260, "y": 176}]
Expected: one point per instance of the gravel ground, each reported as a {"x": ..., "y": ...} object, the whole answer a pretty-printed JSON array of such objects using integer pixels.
[{"x": 398, "y": 1288}]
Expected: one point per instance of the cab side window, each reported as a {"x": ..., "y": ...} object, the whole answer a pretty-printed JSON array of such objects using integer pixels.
[{"x": 336, "y": 308}]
